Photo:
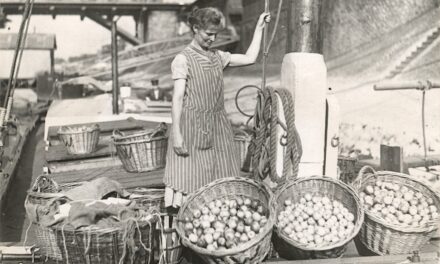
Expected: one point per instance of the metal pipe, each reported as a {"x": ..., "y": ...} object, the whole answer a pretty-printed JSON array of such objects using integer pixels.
[
  {"x": 414, "y": 85},
  {"x": 114, "y": 47}
]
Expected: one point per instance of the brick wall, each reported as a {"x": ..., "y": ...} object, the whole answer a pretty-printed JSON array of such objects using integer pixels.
[{"x": 347, "y": 23}]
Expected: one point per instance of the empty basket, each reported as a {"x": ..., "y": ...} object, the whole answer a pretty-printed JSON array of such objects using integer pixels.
[
  {"x": 80, "y": 139},
  {"x": 143, "y": 151}
]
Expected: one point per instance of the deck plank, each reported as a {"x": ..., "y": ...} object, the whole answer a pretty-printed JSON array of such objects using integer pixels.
[{"x": 60, "y": 153}]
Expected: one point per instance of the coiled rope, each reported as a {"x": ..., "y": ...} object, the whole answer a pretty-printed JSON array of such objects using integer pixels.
[{"x": 265, "y": 142}]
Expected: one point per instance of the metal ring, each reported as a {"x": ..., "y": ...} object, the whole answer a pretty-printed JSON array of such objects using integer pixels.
[{"x": 335, "y": 141}]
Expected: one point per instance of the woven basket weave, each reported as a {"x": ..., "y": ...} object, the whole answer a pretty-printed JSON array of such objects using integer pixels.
[
  {"x": 383, "y": 237},
  {"x": 42, "y": 192},
  {"x": 253, "y": 251},
  {"x": 242, "y": 140},
  {"x": 106, "y": 245},
  {"x": 144, "y": 151},
  {"x": 80, "y": 139},
  {"x": 322, "y": 186}
]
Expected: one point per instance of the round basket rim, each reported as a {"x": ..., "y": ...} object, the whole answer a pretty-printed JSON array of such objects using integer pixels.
[
  {"x": 358, "y": 225},
  {"x": 240, "y": 248},
  {"x": 137, "y": 134},
  {"x": 89, "y": 129},
  {"x": 140, "y": 141},
  {"x": 428, "y": 227}
]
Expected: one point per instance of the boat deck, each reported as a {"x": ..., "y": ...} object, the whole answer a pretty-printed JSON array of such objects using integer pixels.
[{"x": 14, "y": 223}]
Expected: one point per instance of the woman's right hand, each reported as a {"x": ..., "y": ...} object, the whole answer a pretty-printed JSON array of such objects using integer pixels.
[{"x": 179, "y": 145}]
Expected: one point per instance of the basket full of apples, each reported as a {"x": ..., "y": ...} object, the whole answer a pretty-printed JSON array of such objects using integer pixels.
[
  {"x": 316, "y": 218},
  {"x": 401, "y": 213},
  {"x": 228, "y": 221}
]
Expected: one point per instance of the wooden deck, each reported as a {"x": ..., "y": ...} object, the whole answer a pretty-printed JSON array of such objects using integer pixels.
[
  {"x": 13, "y": 140},
  {"x": 15, "y": 253}
]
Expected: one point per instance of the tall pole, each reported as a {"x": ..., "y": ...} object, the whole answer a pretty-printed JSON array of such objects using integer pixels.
[
  {"x": 304, "y": 74},
  {"x": 304, "y": 25},
  {"x": 114, "y": 47}
]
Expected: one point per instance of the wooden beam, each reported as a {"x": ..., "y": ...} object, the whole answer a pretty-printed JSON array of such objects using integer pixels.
[{"x": 120, "y": 32}]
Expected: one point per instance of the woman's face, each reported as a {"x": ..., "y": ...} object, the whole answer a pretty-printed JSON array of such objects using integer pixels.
[{"x": 205, "y": 37}]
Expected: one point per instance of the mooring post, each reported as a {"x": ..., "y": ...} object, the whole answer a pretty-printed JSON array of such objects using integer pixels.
[{"x": 304, "y": 74}]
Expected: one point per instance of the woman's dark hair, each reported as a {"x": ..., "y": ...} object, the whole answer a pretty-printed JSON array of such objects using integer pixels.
[{"x": 205, "y": 17}]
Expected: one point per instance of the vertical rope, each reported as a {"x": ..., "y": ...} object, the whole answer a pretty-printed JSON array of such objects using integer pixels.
[{"x": 424, "y": 131}]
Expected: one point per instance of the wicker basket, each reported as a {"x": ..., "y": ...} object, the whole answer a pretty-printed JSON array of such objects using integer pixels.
[
  {"x": 253, "y": 251},
  {"x": 80, "y": 139},
  {"x": 332, "y": 188},
  {"x": 42, "y": 192},
  {"x": 124, "y": 244},
  {"x": 347, "y": 169},
  {"x": 383, "y": 237},
  {"x": 144, "y": 151},
  {"x": 242, "y": 140}
]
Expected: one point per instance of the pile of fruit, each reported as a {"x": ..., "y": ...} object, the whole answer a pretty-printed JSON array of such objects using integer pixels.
[
  {"x": 226, "y": 223},
  {"x": 398, "y": 204},
  {"x": 316, "y": 221}
]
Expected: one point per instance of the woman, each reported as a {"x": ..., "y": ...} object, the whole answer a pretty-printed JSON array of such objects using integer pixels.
[{"x": 201, "y": 147}]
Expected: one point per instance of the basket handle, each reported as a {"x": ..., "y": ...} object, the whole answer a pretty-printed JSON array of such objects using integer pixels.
[
  {"x": 161, "y": 128},
  {"x": 362, "y": 172},
  {"x": 116, "y": 133},
  {"x": 41, "y": 180}
]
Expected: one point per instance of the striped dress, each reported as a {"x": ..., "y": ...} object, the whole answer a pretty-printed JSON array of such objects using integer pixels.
[{"x": 205, "y": 128}]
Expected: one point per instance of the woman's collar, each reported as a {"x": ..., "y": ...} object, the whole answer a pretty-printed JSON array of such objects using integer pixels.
[{"x": 199, "y": 49}]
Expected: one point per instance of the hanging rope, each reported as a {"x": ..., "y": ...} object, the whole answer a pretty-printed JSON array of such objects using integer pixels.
[{"x": 265, "y": 142}]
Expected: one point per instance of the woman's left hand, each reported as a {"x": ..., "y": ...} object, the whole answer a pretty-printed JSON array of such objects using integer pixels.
[{"x": 263, "y": 19}]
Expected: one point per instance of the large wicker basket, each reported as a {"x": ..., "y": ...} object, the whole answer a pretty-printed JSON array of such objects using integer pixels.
[
  {"x": 143, "y": 151},
  {"x": 316, "y": 185},
  {"x": 383, "y": 237},
  {"x": 42, "y": 192},
  {"x": 129, "y": 243},
  {"x": 253, "y": 251},
  {"x": 242, "y": 140},
  {"x": 80, "y": 139}
]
